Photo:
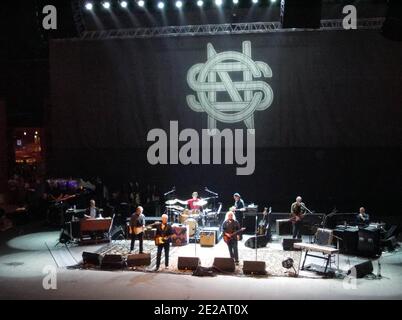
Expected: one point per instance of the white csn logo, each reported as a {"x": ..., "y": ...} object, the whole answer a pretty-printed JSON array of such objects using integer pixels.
[{"x": 257, "y": 95}]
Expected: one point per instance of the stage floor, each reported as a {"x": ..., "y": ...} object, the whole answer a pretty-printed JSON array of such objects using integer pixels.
[{"x": 25, "y": 260}]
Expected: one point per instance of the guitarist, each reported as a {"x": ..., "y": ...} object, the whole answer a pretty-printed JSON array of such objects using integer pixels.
[
  {"x": 137, "y": 224},
  {"x": 229, "y": 228},
  {"x": 297, "y": 211},
  {"x": 162, "y": 239}
]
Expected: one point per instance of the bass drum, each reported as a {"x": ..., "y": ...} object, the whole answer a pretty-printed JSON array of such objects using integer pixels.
[{"x": 192, "y": 226}]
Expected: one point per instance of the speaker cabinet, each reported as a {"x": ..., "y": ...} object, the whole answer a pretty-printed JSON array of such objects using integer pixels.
[
  {"x": 361, "y": 270},
  {"x": 254, "y": 267},
  {"x": 301, "y": 14},
  {"x": 91, "y": 258},
  {"x": 112, "y": 261},
  {"x": 224, "y": 265},
  {"x": 188, "y": 263},
  {"x": 369, "y": 242},
  {"x": 287, "y": 244},
  {"x": 136, "y": 260},
  {"x": 261, "y": 242},
  {"x": 283, "y": 227}
]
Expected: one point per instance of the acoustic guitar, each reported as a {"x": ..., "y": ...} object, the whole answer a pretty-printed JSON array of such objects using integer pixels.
[{"x": 228, "y": 236}]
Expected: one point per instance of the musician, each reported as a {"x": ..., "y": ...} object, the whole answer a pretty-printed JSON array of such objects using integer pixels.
[
  {"x": 137, "y": 224},
  {"x": 230, "y": 226},
  {"x": 239, "y": 203},
  {"x": 362, "y": 217},
  {"x": 92, "y": 212},
  {"x": 164, "y": 231},
  {"x": 194, "y": 198},
  {"x": 297, "y": 210},
  {"x": 238, "y": 208}
]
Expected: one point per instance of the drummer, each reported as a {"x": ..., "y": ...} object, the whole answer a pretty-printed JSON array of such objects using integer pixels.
[{"x": 191, "y": 202}]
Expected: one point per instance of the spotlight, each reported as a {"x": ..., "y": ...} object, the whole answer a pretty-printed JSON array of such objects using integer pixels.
[
  {"x": 255, "y": 1},
  {"x": 200, "y": 3},
  {"x": 218, "y": 2},
  {"x": 161, "y": 5},
  {"x": 179, "y": 4},
  {"x": 89, "y": 6},
  {"x": 235, "y": 1},
  {"x": 141, "y": 3},
  {"x": 106, "y": 4},
  {"x": 273, "y": 1},
  {"x": 123, "y": 4}
]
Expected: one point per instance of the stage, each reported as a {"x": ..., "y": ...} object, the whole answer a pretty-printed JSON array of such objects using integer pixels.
[{"x": 25, "y": 258}]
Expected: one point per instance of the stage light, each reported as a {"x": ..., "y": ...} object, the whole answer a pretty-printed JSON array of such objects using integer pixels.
[
  {"x": 200, "y": 3},
  {"x": 235, "y": 1},
  {"x": 25, "y": 133},
  {"x": 106, "y": 4},
  {"x": 218, "y": 2},
  {"x": 161, "y": 5},
  {"x": 123, "y": 4},
  {"x": 141, "y": 3},
  {"x": 179, "y": 4},
  {"x": 273, "y": 1},
  {"x": 89, "y": 6},
  {"x": 255, "y": 1}
]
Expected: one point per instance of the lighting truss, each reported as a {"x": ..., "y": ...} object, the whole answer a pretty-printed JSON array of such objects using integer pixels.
[{"x": 222, "y": 29}]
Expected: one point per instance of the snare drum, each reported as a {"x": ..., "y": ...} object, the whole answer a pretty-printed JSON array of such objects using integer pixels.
[
  {"x": 195, "y": 214},
  {"x": 192, "y": 226},
  {"x": 184, "y": 216}
]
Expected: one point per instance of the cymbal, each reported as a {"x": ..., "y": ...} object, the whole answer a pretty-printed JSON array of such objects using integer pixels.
[
  {"x": 178, "y": 208},
  {"x": 170, "y": 202},
  {"x": 201, "y": 202}
]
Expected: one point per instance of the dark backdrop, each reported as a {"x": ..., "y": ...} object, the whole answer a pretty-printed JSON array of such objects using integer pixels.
[{"x": 332, "y": 134}]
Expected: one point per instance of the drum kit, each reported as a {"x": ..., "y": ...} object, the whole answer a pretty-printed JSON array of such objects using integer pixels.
[{"x": 190, "y": 217}]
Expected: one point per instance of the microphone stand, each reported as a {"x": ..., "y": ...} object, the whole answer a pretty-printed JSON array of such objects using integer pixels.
[
  {"x": 337, "y": 246},
  {"x": 170, "y": 210},
  {"x": 256, "y": 236},
  {"x": 307, "y": 209},
  {"x": 213, "y": 193}
]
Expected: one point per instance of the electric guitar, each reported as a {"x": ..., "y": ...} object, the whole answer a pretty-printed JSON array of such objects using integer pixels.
[
  {"x": 228, "y": 236},
  {"x": 294, "y": 217},
  {"x": 138, "y": 230},
  {"x": 162, "y": 240}
]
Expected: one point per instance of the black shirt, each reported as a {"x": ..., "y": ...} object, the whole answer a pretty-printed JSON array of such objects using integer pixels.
[
  {"x": 165, "y": 232},
  {"x": 230, "y": 226},
  {"x": 239, "y": 204}
]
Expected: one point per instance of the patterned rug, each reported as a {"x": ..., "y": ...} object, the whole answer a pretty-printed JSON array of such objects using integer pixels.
[{"x": 272, "y": 254}]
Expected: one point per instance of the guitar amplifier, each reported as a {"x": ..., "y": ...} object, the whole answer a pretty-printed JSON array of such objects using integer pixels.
[
  {"x": 324, "y": 237},
  {"x": 216, "y": 230},
  {"x": 283, "y": 227},
  {"x": 207, "y": 238},
  {"x": 149, "y": 234}
]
